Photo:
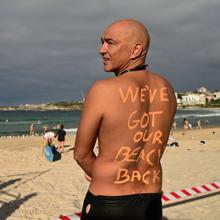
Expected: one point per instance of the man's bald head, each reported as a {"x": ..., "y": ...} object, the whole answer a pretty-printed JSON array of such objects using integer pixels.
[
  {"x": 133, "y": 31},
  {"x": 124, "y": 46}
]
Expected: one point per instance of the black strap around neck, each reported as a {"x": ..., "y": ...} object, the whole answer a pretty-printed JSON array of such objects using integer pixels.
[{"x": 137, "y": 68}]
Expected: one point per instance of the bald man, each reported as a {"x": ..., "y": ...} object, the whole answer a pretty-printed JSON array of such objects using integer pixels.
[{"x": 131, "y": 116}]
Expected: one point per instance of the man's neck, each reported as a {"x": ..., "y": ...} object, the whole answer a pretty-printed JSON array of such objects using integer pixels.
[{"x": 132, "y": 68}]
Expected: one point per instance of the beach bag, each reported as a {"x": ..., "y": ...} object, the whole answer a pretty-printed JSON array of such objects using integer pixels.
[
  {"x": 51, "y": 153},
  {"x": 56, "y": 154},
  {"x": 48, "y": 151}
]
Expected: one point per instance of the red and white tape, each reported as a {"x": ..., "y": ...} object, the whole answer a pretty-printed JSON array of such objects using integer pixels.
[
  {"x": 171, "y": 196},
  {"x": 75, "y": 216}
]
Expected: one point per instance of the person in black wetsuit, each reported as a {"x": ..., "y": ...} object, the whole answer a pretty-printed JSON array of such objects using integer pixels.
[{"x": 61, "y": 138}]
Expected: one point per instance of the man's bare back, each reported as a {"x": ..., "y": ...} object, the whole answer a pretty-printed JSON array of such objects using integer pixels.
[
  {"x": 131, "y": 116},
  {"x": 132, "y": 133}
]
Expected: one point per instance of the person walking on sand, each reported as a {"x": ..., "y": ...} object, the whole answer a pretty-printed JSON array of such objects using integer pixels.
[
  {"x": 174, "y": 124},
  {"x": 61, "y": 133},
  {"x": 198, "y": 124},
  {"x": 31, "y": 130},
  {"x": 131, "y": 115}
]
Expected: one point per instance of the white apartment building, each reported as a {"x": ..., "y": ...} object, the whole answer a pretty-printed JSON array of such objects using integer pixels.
[
  {"x": 194, "y": 99},
  {"x": 216, "y": 95},
  {"x": 202, "y": 90},
  {"x": 178, "y": 101}
]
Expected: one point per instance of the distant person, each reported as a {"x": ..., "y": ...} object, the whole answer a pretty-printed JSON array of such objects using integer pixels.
[
  {"x": 174, "y": 125},
  {"x": 49, "y": 150},
  {"x": 172, "y": 142},
  {"x": 48, "y": 136},
  {"x": 198, "y": 124},
  {"x": 60, "y": 134},
  {"x": 185, "y": 125},
  {"x": 31, "y": 130},
  {"x": 131, "y": 116}
]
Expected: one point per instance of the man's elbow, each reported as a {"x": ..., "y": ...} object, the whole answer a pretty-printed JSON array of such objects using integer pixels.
[{"x": 78, "y": 157}]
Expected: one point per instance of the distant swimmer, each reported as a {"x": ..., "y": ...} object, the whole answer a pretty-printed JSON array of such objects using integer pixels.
[{"x": 131, "y": 116}]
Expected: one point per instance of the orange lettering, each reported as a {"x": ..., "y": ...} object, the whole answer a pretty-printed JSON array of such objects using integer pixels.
[
  {"x": 130, "y": 93},
  {"x": 159, "y": 155},
  {"x": 132, "y": 124},
  {"x": 123, "y": 176},
  {"x": 152, "y": 95},
  {"x": 122, "y": 173},
  {"x": 156, "y": 176},
  {"x": 164, "y": 94},
  {"x": 147, "y": 137},
  {"x": 135, "y": 174},
  {"x": 144, "y": 177},
  {"x": 157, "y": 137},
  {"x": 134, "y": 154},
  {"x": 153, "y": 116},
  {"x": 142, "y": 94},
  {"x": 138, "y": 136},
  {"x": 141, "y": 155},
  {"x": 148, "y": 157},
  {"x": 145, "y": 116},
  {"x": 123, "y": 153}
]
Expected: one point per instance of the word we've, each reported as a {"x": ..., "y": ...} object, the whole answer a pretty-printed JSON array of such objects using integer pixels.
[{"x": 142, "y": 94}]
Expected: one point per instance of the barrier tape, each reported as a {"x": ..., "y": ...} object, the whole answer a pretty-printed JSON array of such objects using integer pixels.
[{"x": 171, "y": 196}]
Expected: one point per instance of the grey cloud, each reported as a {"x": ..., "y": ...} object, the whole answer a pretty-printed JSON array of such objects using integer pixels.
[{"x": 49, "y": 48}]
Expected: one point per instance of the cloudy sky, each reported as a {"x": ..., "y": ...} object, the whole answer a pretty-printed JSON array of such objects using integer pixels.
[{"x": 49, "y": 48}]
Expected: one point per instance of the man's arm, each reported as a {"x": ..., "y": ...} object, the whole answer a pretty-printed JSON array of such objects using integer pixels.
[{"x": 89, "y": 127}]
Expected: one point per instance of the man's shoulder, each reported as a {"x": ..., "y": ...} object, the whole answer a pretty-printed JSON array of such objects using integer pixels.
[
  {"x": 103, "y": 88},
  {"x": 103, "y": 83},
  {"x": 160, "y": 80}
]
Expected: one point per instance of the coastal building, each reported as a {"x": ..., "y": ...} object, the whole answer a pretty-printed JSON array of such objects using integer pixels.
[
  {"x": 193, "y": 99},
  {"x": 216, "y": 95},
  {"x": 202, "y": 90},
  {"x": 178, "y": 100}
]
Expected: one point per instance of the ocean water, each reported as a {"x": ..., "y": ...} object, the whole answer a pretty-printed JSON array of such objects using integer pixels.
[{"x": 18, "y": 122}]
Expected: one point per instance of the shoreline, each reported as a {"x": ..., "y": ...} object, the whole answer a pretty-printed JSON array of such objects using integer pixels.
[
  {"x": 79, "y": 108},
  {"x": 179, "y": 129}
]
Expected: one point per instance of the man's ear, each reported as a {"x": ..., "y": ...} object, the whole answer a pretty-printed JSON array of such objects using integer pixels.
[{"x": 137, "y": 51}]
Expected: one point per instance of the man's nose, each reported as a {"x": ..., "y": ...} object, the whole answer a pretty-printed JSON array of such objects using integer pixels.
[{"x": 102, "y": 49}]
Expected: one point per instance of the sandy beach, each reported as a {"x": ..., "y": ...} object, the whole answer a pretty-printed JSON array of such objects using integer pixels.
[{"x": 33, "y": 188}]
